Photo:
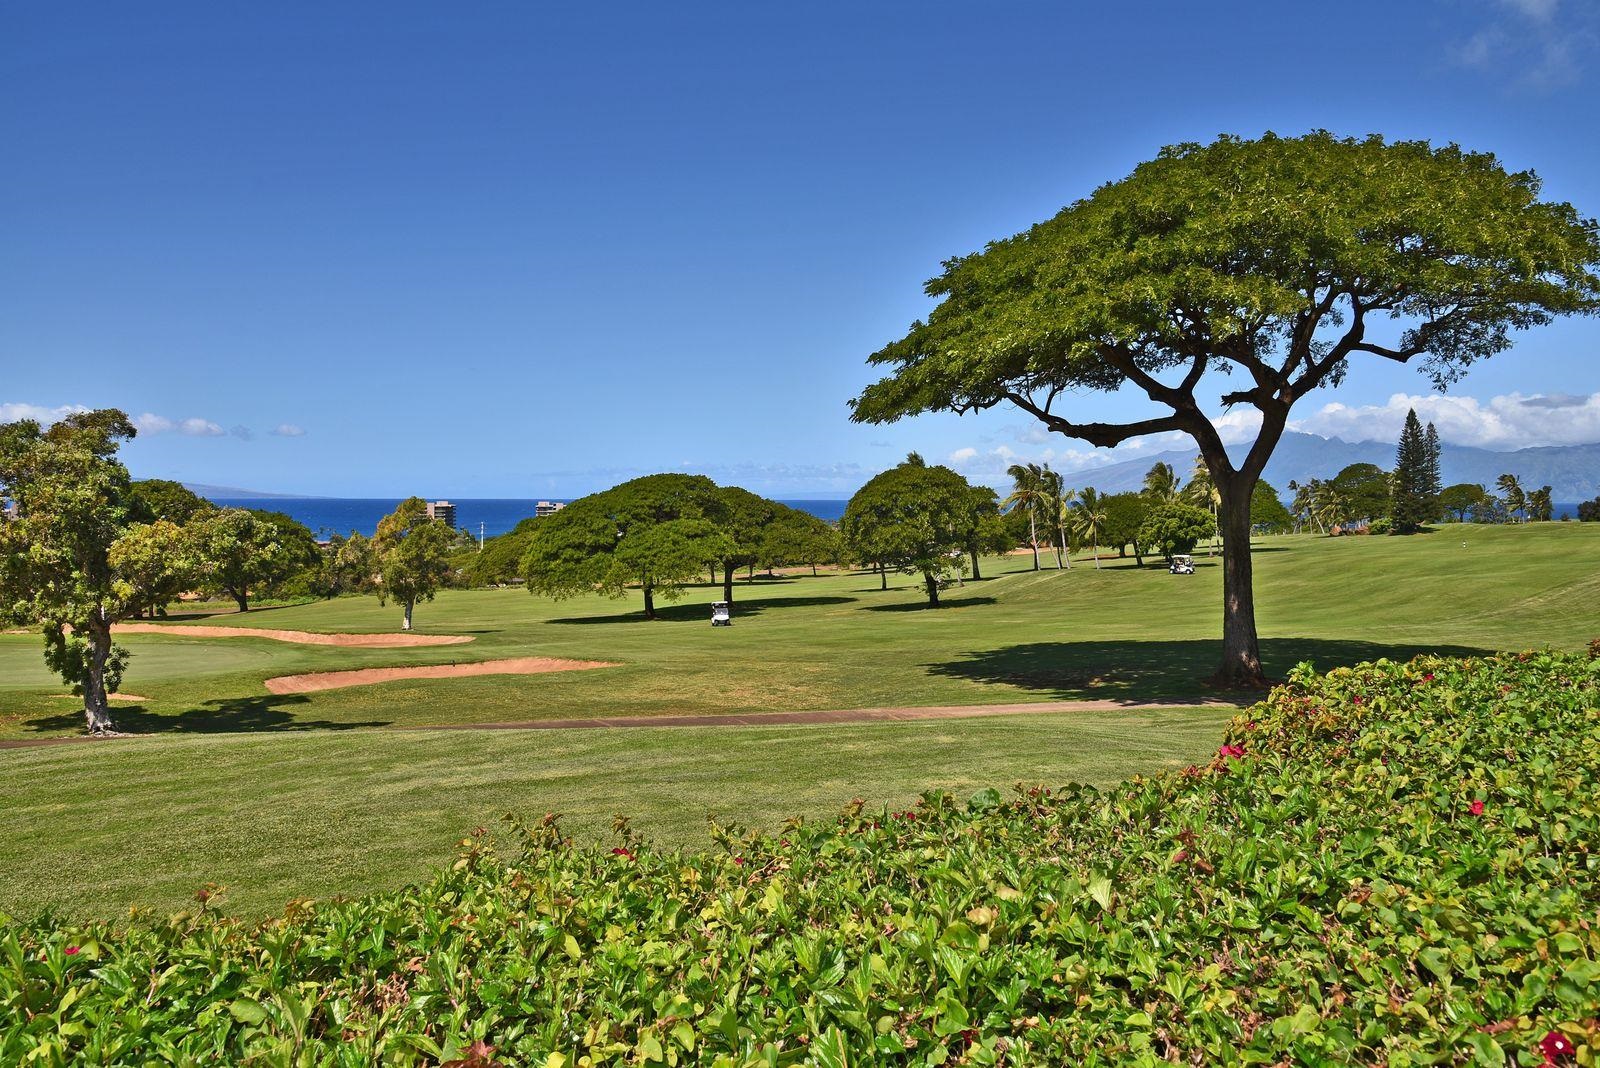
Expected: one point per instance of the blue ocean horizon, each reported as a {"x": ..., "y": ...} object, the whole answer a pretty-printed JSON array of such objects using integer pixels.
[{"x": 342, "y": 515}]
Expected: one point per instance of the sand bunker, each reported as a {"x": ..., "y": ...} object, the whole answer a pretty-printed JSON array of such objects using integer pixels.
[
  {"x": 109, "y": 696},
  {"x": 298, "y": 637},
  {"x": 333, "y": 680}
]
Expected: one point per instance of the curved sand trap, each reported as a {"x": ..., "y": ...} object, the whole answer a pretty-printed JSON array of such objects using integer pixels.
[
  {"x": 109, "y": 696},
  {"x": 298, "y": 637},
  {"x": 333, "y": 680}
]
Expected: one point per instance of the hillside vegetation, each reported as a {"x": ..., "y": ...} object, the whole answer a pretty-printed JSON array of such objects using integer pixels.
[{"x": 1390, "y": 863}]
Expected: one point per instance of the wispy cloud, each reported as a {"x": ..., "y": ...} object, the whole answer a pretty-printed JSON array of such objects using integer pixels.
[
  {"x": 288, "y": 430},
  {"x": 1540, "y": 45}
]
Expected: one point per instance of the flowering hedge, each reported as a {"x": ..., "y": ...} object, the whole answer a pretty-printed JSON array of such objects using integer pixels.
[{"x": 1387, "y": 864}]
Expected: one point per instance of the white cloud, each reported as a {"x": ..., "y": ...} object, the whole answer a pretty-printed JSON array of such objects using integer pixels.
[
  {"x": 1533, "y": 43},
  {"x": 1511, "y": 421},
  {"x": 288, "y": 430},
  {"x": 150, "y": 423},
  {"x": 11, "y": 413},
  {"x": 961, "y": 456}
]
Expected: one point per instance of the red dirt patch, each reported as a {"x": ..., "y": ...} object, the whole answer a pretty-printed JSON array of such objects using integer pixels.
[
  {"x": 298, "y": 637},
  {"x": 333, "y": 680}
]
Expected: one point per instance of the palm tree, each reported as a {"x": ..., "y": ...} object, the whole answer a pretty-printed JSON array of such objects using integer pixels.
[
  {"x": 1516, "y": 500},
  {"x": 1058, "y": 507},
  {"x": 1090, "y": 514},
  {"x": 1203, "y": 493},
  {"x": 1161, "y": 483},
  {"x": 1027, "y": 492}
]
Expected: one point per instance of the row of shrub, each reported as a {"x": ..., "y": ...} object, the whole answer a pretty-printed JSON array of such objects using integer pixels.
[{"x": 1389, "y": 864}]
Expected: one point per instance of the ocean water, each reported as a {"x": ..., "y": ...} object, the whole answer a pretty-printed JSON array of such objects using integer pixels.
[{"x": 341, "y": 515}]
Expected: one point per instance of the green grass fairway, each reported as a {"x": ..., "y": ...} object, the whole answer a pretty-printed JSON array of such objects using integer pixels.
[
  {"x": 90, "y": 831},
  {"x": 838, "y": 642},
  {"x": 282, "y": 796}
]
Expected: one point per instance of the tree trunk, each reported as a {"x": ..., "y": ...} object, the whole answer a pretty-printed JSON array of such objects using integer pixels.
[
  {"x": 713, "y": 574},
  {"x": 1097, "y": 553},
  {"x": 975, "y": 575},
  {"x": 649, "y": 601},
  {"x": 813, "y": 569},
  {"x": 727, "y": 583},
  {"x": 96, "y": 702},
  {"x": 410, "y": 604},
  {"x": 933, "y": 590},
  {"x": 883, "y": 577},
  {"x": 752, "y": 576},
  {"x": 1033, "y": 537},
  {"x": 1241, "y": 649},
  {"x": 241, "y": 597}
]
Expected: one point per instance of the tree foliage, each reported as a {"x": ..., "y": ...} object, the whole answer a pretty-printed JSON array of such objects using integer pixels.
[
  {"x": 1460, "y": 499},
  {"x": 1174, "y": 527},
  {"x": 913, "y": 518},
  {"x": 242, "y": 552},
  {"x": 72, "y": 560},
  {"x": 411, "y": 551},
  {"x": 1281, "y": 260},
  {"x": 1267, "y": 510},
  {"x": 586, "y": 547},
  {"x": 158, "y": 498},
  {"x": 1412, "y": 494}
]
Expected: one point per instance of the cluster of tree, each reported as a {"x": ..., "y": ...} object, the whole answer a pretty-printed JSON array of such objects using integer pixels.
[
  {"x": 1355, "y": 497},
  {"x": 663, "y": 532},
  {"x": 1280, "y": 259},
  {"x": 1589, "y": 511},
  {"x": 1167, "y": 517},
  {"x": 1472, "y": 502},
  {"x": 86, "y": 546}
]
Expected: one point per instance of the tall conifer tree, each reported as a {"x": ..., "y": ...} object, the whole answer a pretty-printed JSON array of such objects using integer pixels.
[{"x": 1411, "y": 502}]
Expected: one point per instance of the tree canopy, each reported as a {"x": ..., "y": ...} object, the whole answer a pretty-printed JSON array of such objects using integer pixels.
[
  {"x": 68, "y": 562},
  {"x": 242, "y": 552},
  {"x": 586, "y": 547},
  {"x": 914, "y": 518},
  {"x": 412, "y": 552},
  {"x": 1281, "y": 260}
]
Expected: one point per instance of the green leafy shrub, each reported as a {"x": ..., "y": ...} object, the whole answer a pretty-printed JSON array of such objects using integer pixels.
[{"x": 1388, "y": 864}]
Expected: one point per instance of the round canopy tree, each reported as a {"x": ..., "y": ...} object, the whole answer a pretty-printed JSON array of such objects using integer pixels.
[
  {"x": 1276, "y": 261},
  {"x": 915, "y": 518},
  {"x": 72, "y": 560}
]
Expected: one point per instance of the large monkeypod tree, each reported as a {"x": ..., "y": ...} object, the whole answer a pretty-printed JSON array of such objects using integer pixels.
[{"x": 1275, "y": 262}]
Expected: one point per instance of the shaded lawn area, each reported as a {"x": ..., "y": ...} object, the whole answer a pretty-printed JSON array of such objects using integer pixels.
[{"x": 94, "y": 828}]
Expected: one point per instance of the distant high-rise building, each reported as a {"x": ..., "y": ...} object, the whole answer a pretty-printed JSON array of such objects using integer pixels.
[
  {"x": 443, "y": 511},
  {"x": 544, "y": 508}
]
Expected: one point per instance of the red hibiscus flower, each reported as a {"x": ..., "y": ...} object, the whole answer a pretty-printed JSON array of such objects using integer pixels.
[
  {"x": 620, "y": 852},
  {"x": 1477, "y": 808},
  {"x": 71, "y": 951}
]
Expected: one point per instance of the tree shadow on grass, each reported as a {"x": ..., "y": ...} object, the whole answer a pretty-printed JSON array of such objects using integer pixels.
[
  {"x": 922, "y": 605},
  {"x": 269, "y": 713},
  {"x": 701, "y": 613},
  {"x": 1139, "y": 670}
]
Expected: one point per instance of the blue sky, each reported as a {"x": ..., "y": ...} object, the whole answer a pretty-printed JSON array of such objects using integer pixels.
[{"x": 521, "y": 250}]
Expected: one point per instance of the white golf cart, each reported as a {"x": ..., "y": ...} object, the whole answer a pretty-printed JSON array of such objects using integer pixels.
[
  {"x": 721, "y": 614},
  {"x": 1181, "y": 564}
]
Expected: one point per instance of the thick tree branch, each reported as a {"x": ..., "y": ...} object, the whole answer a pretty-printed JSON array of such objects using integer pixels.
[{"x": 1103, "y": 435}]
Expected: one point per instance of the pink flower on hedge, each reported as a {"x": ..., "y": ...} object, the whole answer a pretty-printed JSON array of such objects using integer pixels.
[
  {"x": 1555, "y": 1046},
  {"x": 739, "y": 861},
  {"x": 71, "y": 951},
  {"x": 1477, "y": 808},
  {"x": 1232, "y": 752},
  {"x": 1358, "y": 699},
  {"x": 1428, "y": 677},
  {"x": 620, "y": 852}
]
